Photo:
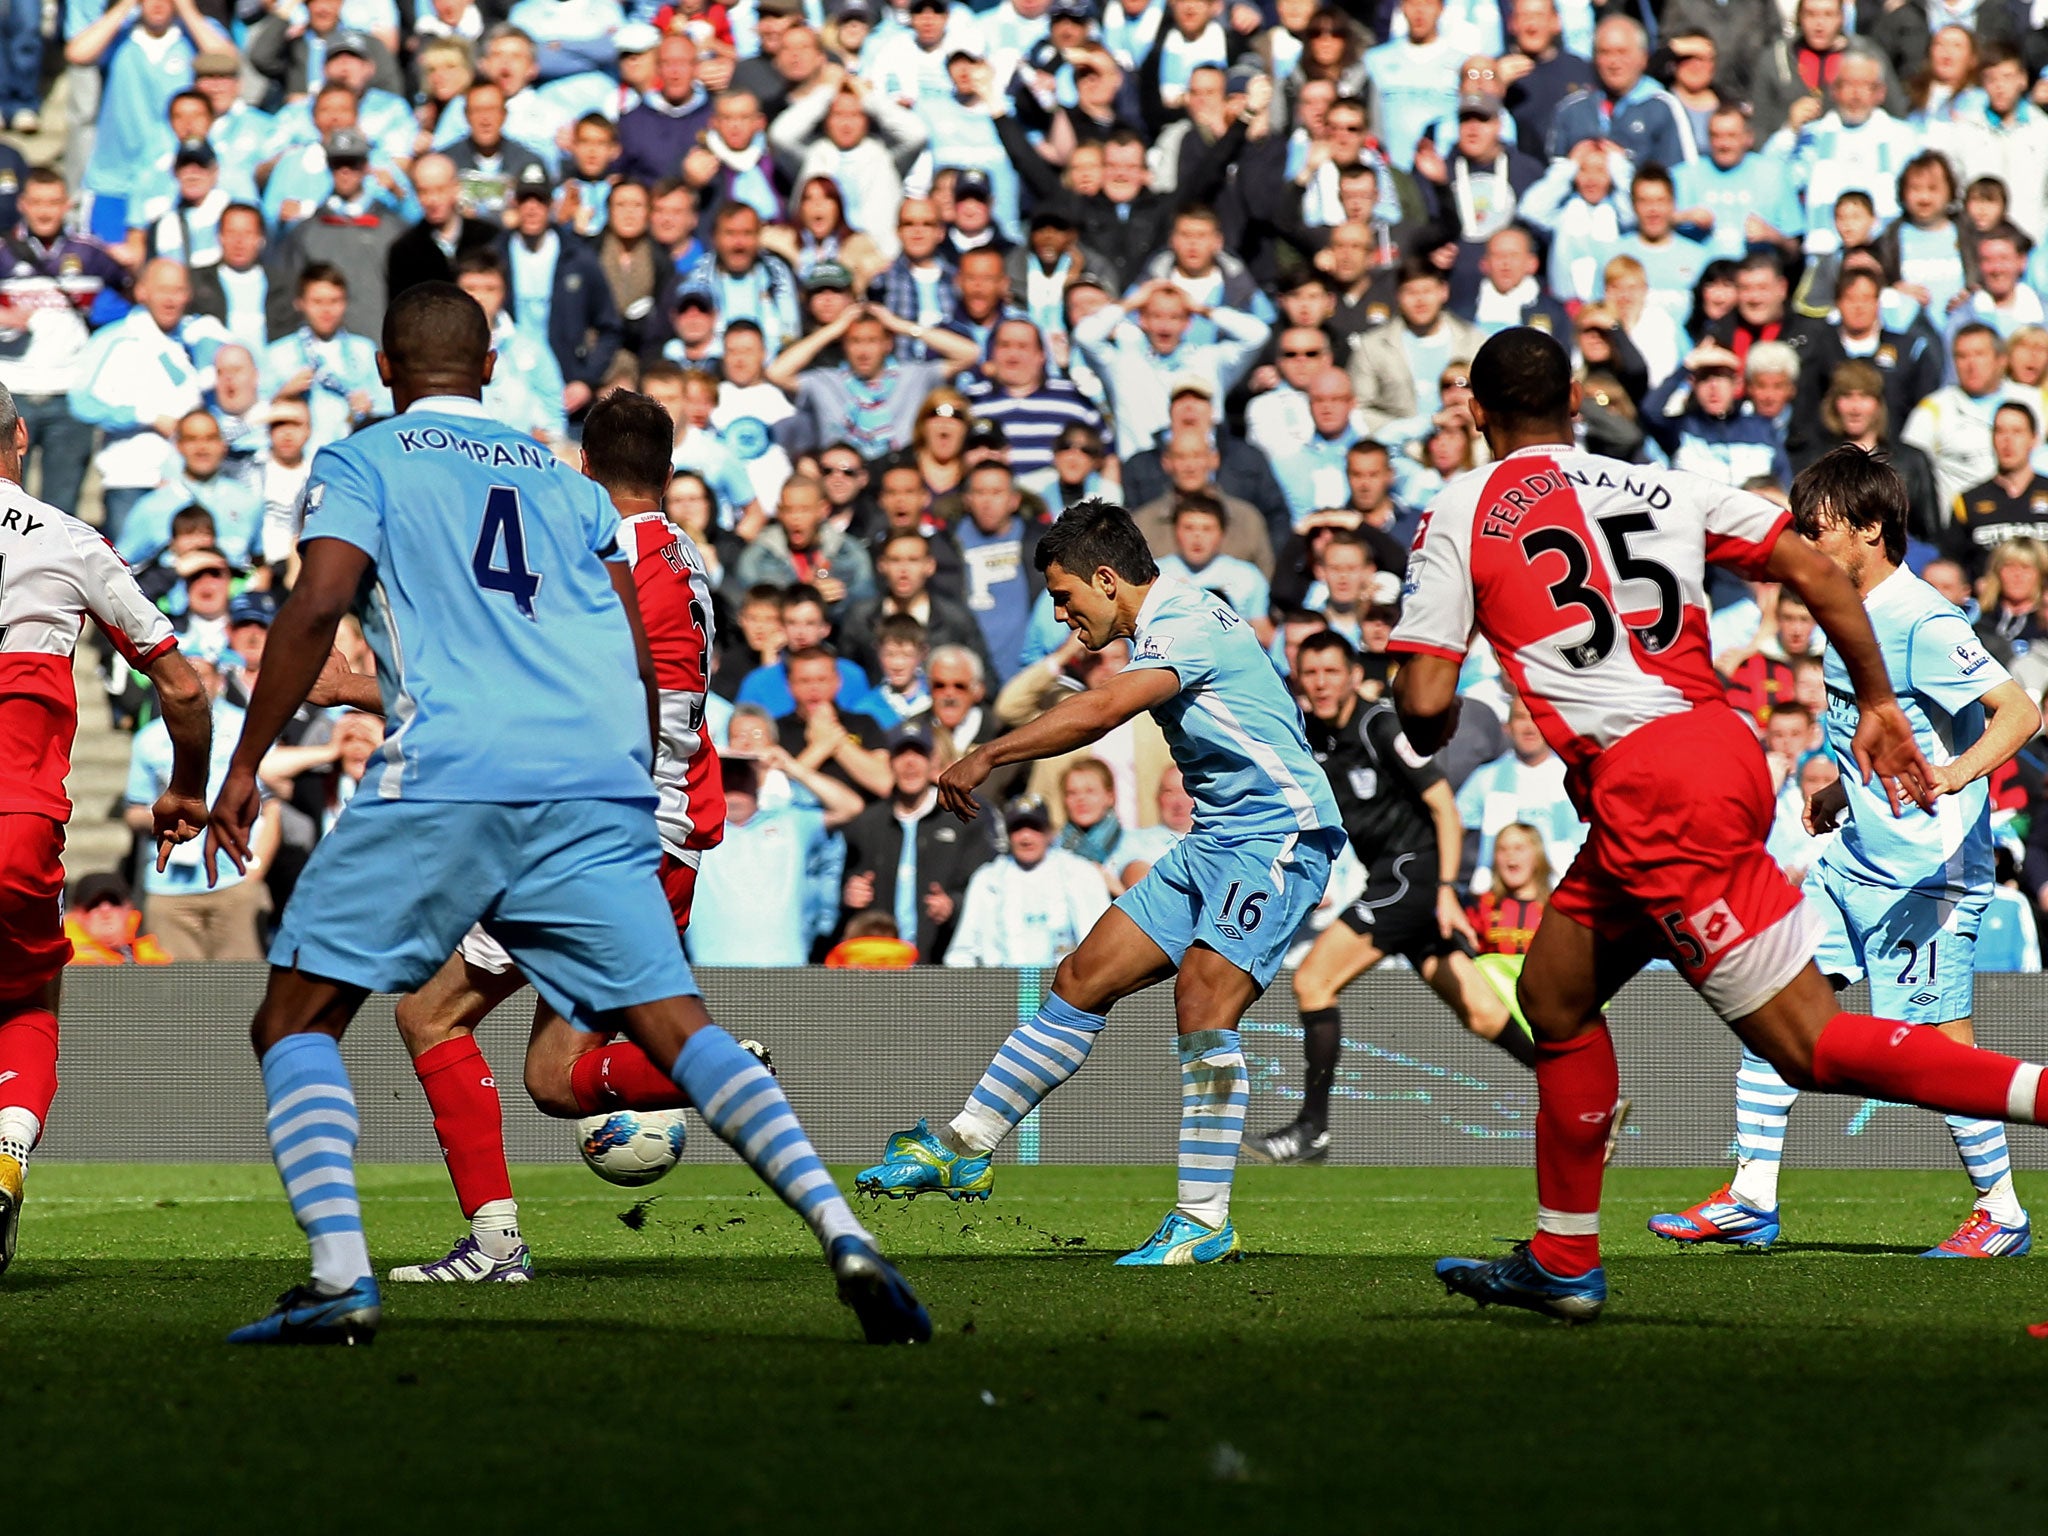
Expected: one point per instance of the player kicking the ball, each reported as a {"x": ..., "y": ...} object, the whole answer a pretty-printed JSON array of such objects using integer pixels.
[
  {"x": 1587, "y": 577},
  {"x": 59, "y": 573},
  {"x": 1216, "y": 913},
  {"x": 1403, "y": 824},
  {"x": 627, "y": 440},
  {"x": 1900, "y": 898},
  {"x": 514, "y": 788}
]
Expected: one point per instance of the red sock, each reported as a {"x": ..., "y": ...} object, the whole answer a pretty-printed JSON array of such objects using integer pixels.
[
  {"x": 1576, "y": 1086},
  {"x": 621, "y": 1076},
  {"x": 467, "y": 1120},
  {"x": 28, "y": 1062},
  {"x": 1884, "y": 1059}
]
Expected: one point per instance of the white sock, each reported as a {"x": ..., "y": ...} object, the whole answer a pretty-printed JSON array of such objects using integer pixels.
[
  {"x": 496, "y": 1228},
  {"x": 2002, "y": 1203},
  {"x": 833, "y": 1219},
  {"x": 1756, "y": 1183},
  {"x": 20, "y": 1130},
  {"x": 340, "y": 1259},
  {"x": 976, "y": 1131}
]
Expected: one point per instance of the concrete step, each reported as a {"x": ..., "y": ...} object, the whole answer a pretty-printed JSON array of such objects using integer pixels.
[{"x": 93, "y": 840}]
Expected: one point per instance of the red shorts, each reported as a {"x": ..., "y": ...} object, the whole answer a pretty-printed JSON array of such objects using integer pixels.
[
  {"x": 1679, "y": 811},
  {"x": 33, "y": 948},
  {"x": 679, "y": 885}
]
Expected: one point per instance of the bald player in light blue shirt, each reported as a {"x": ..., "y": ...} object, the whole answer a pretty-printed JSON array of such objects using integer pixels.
[{"x": 513, "y": 787}]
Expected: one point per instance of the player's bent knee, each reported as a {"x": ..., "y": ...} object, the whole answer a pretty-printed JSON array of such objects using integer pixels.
[
  {"x": 1313, "y": 992},
  {"x": 1552, "y": 1022},
  {"x": 1081, "y": 983},
  {"x": 547, "y": 1084}
]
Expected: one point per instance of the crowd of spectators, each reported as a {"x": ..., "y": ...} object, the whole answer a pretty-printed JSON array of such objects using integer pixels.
[{"x": 912, "y": 279}]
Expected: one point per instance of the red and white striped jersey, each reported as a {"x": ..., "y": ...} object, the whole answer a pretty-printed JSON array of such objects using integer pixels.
[
  {"x": 675, "y": 608},
  {"x": 55, "y": 573},
  {"x": 1588, "y": 577}
]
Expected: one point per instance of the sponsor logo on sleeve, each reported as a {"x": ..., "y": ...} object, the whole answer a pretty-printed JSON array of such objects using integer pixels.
[
  {"x": 1154, "y": 647},
  {"x": 1969, "y": 657}
]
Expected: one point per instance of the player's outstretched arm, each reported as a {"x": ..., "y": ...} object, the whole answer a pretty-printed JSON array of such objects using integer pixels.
[
  {"x": 179, "y": 814},
  {"x": 1426, "y": 697},
  {"x": 301, "y": 639},
  {"x": 2012, "y": 718},
  {"x": 1074, "y": 722},
  {"x": 1884, "y": 744}
]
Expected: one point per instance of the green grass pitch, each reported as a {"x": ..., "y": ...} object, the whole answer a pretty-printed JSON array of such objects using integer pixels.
[{"x": 695, "y": 1370}]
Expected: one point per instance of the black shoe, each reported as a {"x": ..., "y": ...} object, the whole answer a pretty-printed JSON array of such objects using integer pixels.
[{"x": 1290, "y": 1145}]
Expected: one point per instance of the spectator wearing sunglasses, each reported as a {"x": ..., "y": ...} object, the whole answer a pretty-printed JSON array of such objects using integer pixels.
[
  {"x": 1278, "y": 421},
  {"x": 1080, "y": 469}
]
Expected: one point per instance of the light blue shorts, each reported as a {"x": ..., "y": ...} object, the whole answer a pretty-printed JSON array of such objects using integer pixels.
[
  {"x": 1918, "y": 947},
  {"x": 1243, "y": 897},
  {"x": 568, "y": 887}
]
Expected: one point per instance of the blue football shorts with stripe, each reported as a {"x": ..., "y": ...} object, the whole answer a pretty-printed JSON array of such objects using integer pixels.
[
  {"x": 1244, "y": 897},
  {"x": 1917, "y": 947}
]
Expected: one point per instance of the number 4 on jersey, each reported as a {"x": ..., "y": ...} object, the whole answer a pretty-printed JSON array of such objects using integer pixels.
[{"x": 505, "y": 529}]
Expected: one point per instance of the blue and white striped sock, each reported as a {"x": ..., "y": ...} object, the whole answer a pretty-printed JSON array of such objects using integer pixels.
[
  {"x": 1214, "y": 1090},
  {"x": 1036, "y": 1059},
  {"x": 1763, "y": 1101},
  {"x": 1981, "y": 1144},
  {"x": 311, "y": 1118},
  {"x": 741, "y": 1101}
]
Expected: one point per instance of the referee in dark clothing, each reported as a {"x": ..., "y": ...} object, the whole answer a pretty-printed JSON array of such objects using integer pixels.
[
  {"x": 2012, "y": 504},
  {"x": 1403, "y": 823}
]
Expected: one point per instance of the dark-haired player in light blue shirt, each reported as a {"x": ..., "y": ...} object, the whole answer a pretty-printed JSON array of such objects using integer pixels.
[{"x": 1217, "y": 910}]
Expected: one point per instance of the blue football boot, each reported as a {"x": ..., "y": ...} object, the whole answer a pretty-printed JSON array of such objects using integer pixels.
[
  {"x": 916, "y": 1161},
  {"x": 1720, "y": 1218},
  {"x": 1519, "y": 1281},
  {"x": 304, "y": 1315},
  {"x": 1982, "y": 1236},
  {"x": 1180, "y": 1240},
  {"x": 882, "y": 1299}
]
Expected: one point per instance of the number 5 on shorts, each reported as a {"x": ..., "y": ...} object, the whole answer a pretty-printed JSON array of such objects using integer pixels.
[{"x": 1691, "y": 954}]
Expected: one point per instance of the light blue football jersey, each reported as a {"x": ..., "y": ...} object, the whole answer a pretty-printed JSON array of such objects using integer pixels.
[
  {"x": 1233, "y": 729},
  {"x": 1940, "y": 672},
  {"x": 504, "y": 656}
]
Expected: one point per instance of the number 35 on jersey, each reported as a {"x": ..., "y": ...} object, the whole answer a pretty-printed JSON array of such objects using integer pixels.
[{"x": 1588, "y": 577}]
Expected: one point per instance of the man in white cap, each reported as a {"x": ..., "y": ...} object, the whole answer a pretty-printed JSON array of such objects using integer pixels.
[{"x": 1697, "y": 418}]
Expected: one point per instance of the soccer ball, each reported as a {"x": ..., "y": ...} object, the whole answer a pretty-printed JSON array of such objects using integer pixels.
[{"x": 631, "y": 1147}]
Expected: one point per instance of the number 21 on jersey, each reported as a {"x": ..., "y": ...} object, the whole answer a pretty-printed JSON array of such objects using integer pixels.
[{"x": 499, "y": 560}]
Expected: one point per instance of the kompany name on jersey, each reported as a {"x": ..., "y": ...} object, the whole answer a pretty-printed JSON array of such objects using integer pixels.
[{"x": 498, "y": 455}]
